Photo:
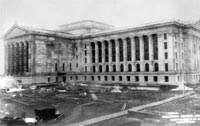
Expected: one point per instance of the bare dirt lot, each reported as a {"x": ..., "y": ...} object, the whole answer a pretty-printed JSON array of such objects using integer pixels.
[{"x": 70, "y": 103}]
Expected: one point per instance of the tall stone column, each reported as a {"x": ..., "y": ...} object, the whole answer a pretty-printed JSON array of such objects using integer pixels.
[
  {"x": 133, "y": 52},
  {"x": 96, "y": 56},
  {"x": 125, "y": 49},
  {"x": 6, "y": 59},
  {"x": 96, "y": 53},
  {"x": 20, "y": 59},
  {"x": 125, "y": 53},
  {"x": 132, "y": 48},
  {"x": 10, "y": 62},
  {"x": 110, "y": 55},
  {"x": 7, "y": 63},
  {"x": 110, "y": 51},
  {"x": 141, "y": 48},
  {"x": 31, "y": 54},
  {"x": 117, "y": 54},
  {"x": 141, "y": 52},
  {"x": 151, "y": 52},
  {"x": 103, "y": 52},
  {"x": 25, "y": 56},
  {"x": 89, "y": 57},
  {"x": 12, "y": 59}
]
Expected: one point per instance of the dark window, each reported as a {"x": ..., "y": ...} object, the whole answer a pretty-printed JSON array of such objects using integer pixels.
[
  {"x": 165, "y": 36},
  {"x": 137, "y": 48},
  {"x": 166, "y": 79},
  {"x": 70, "y": 77},
  {"x": 85, "y": 46},
  {"x": 113, "y": 78},
  {"x": 129, "y": 55},
  {"x": 49, "y": 79},
  {"x": 166, "y": 55},
  {"x": 155, "y": 46},
  {"x": 76, "y": 77},
  {"x": 85, "y": 77},
  {"x": 56, "y": 79},
  {"x": 137, "y": 78},
  {"x": 155, "y": 78},
  {"x": 105, "y": 78},
  {"x": 165, "y": 45},
  {"x": 113, "y": 50},
  {"x": 146, "y": 47},
  {"x": 76, "y": 57},
  {"x": 94, "y": 69},
  {"x": 122, "y": 68},
  {"x": 70, "y": 66},
  {"x": 166, "y": 66},
  {"x": 93, "y": 52},
  {"x": 138, "y": 67},
  {"x": 156, "y": 67},
  {"x": 106, "y": 51},
  {"x": 76, "y": 65},
  {"x": 63, "y": 66},
  {"x": 99, "y": 78},
  {"x": 128, "y": 78},
  {"x": 146, "y": 67},
  {"x": 114, "y": 68},
  {"x": 92, "y": 78},
  {"x": 129, "y": 67},
  {"x": 85, "y": 60},
  {"x": 56, "y": 67},
  {"x": 64, "y": 79},
  {"x": 100, "y": 51},
  {"x": 100, "y": 68},
  {"x": 121, "y": 50},
  {"x": 107, "y": 68},
  {"x": 145, "y": 78},
  {"x": 120, "y": 78},
  {"x": 85, "y": 52},
  {"x": 85, "y": 69}
]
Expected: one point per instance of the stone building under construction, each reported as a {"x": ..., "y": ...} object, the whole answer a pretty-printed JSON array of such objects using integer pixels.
[{"x": 163, "y": 53}]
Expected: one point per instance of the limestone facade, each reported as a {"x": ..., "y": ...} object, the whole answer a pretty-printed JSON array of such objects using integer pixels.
[{"x": 162, "y": 53}]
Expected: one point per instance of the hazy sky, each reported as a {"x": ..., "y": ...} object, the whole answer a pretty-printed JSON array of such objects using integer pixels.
[{"x": 52, "y": 13}]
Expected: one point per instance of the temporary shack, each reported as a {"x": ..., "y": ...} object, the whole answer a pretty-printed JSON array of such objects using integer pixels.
[{"x": 46, "y": 114}]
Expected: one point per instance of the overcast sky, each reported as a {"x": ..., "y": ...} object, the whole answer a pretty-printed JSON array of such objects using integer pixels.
[{"x": 52, "y": 13}]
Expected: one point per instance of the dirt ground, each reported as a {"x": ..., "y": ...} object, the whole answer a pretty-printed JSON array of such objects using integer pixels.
[
  {"x": 188, "y": 105},
  {"x": 70, "y": 104}
]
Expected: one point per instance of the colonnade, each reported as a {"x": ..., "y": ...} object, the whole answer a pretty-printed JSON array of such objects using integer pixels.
[
  {"x": 17, "y": 58},
  {"x": 136, "y": 48}
]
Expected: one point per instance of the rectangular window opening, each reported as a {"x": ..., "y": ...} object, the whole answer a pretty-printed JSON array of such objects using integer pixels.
[
  {"x": 128, "y": 78},
  {"x": 137, "y": 78}
]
